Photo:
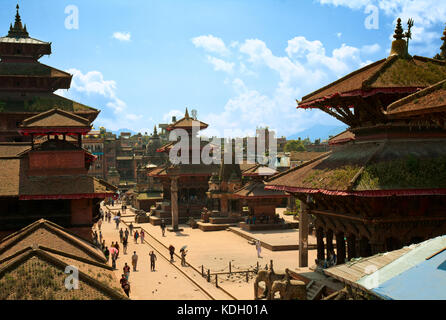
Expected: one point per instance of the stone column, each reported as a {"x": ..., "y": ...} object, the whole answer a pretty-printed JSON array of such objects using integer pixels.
[
  {"x": 320, "y": 244},
  {"x": 174, "y": 203},
  {"x": 364, "y": 248},
  {"x": 291, "y": 205},
  {"x": 303, "y": 235},
  {"x": 340, "y": 248},
  {"x": 329, "y": 240},
  {"x": 351, "y": 246}
]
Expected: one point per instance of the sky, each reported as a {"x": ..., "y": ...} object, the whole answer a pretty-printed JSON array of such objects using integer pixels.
[{"x": 240, "y": 63}]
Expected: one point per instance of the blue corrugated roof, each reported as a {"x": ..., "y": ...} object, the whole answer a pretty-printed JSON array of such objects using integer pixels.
[{"x": 425, "y": 281}]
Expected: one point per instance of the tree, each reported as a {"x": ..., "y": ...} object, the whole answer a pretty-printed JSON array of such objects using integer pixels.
[{"x": 294, "y": 145}]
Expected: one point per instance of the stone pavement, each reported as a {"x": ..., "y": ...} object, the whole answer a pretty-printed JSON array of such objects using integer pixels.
[{"x": 214, "y": 250}]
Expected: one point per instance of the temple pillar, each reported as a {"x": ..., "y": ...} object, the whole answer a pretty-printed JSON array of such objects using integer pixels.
[
  {"x": 351, "y": 246},
  {"x": 174, "y": 203},
  {"x": 329, "y": 240},
  {"x": 303, "y": 235},
  {"x": 364, "y": 248},
  {"x": 291, "y": 205},
  {"x": 340, "y": 248},
  {"x": 320, "y": 244}
]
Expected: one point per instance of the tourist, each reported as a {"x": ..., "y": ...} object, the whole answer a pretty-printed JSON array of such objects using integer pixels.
[
  {"x": 125, "y": 285},
  {"x": 126, "y": 270},
  {"x": 259, "y": 248},
  {"x": 113, "y": 261},
  {"x": 183, "y": 257},
  {"x": 124, "y": 244},
  {"x": 152, "y": 261},
  {"x": 100, "y": 224},
  {"x": 117, "y": 219},
  {"x": 171, "y": 252},
  {"x": 131, "y": 228},
  {"x": 136, "y": 236},
  {"x": 100, "y": 236},
  {"x": 134, "y": 260},
  {"x": 121, "y": 235},
  {"x": 117, "y": 248},
  {"x": 141, "y": 235},
  {"x": 163, "y": 227},
  {"x": 103, "y": 245},
  {"x": 106, "y": 253},
  {"x": 126, "y": 233}
]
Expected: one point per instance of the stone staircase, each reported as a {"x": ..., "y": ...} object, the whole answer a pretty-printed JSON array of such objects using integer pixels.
[{"x": 314, "y": 290}]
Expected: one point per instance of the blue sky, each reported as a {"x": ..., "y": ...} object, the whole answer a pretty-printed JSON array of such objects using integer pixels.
[{"x": 240, "y": 63}]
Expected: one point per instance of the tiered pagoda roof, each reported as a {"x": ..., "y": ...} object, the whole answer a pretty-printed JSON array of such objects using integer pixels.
[
  {"x": 431, "y": 100},
  {"x": 187, "y": 123},
  {"x": 383, "y": 153},
  {"x": 27, "y": 86},
  {"x": 55, "y": 121},
  {"x": 360, "y": 98}
]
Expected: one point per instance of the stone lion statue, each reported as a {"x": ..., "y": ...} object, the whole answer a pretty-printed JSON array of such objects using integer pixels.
[
  {"x": 289, "y": 289},
  {"x": 267, "y": 276}
]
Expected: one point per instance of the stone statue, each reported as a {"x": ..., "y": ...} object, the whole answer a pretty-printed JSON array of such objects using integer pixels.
[
  {"x": 289, "y": 289},
  {"x": 267, "y": 276}
]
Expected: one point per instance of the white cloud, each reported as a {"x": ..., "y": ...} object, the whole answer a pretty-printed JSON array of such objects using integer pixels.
[
  {"x": 122, "y": 36},
  {"x": 167, "y": 117},
  {"x": 427, "y": 14},
  {"x": 339, "y": 34},
  {"x": 211, "y": 44},
  {"x": 221, "y": 65},
  {"x": 371, "y": 49}
]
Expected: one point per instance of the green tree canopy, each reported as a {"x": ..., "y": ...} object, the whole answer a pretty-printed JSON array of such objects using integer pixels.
[{"x": 294, "y": 145}]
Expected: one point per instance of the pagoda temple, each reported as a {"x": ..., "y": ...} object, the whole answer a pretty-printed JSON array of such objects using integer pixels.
[
  {"x": 384, "y": 186},
  {"x": 43, "y": 167},
  {"x": 184, "y": 184},
  {"x": 27, "y": 86}
]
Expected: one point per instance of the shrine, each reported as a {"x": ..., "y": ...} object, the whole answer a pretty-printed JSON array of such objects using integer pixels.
[{"x": 383, "y": 187}]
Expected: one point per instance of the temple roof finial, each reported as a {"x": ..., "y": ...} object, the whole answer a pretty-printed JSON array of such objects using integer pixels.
[
  {"x": 155, "y": 132},
  {"x": 18, "y": 31},
  {"x": 187, "y": 114},
  {"x": 399, "y": 34}
]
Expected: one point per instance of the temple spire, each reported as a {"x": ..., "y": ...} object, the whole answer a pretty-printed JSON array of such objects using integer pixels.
[
  {"x": 155, "y": 133},
  {"x": 18, "y": 31},
  {"x": 187, "y": 114},
  {"x": 399, "y": 34}
]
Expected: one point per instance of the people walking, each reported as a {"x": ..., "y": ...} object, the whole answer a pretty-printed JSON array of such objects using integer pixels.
[
  {"x": 121, "y": 235},
  {"x": 126, "y": 271},
  {"x": 113, "y": 261},
  {"x": 259, "y": 248},
  {"x": 152, "y": 261},
  {"x": 126, "y": 233},
  {"x": 106, "y": 253},
  {"x": 100, "y": 224},
  {"x": 141, "y": 235},
  {"x": 100, "y": 236},
  {"x": 163, "y": 227},
  {"x": 117, "y": 249},
  {"x": 136, "y": 236},
  {"x": 125, "y": 285},
  {"x": 124, "y": 244},
  {"x": 131, "y": 228},
  {"x": 134, "y": 260},
  {"x": 117, "y": 219},
  {"x": 171, "y": 252},
  {"x": 183, "y": 257}
]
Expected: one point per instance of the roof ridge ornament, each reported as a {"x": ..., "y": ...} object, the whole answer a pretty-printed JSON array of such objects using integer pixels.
[
  {"x": 18, "y": 31},
  {"x": 442, "y": 55},
  {"x": 400, "y": 46}
]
